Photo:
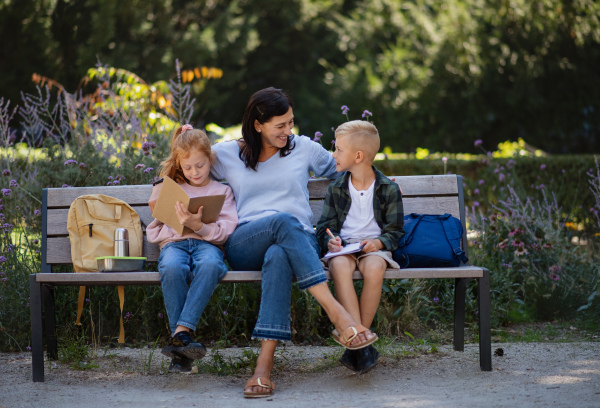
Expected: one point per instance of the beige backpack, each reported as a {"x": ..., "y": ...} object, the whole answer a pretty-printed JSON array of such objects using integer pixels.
[{"x": 91, "y": 222}]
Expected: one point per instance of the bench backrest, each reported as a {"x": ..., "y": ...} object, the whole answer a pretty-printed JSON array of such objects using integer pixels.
[{"x": 421, "y": 194}]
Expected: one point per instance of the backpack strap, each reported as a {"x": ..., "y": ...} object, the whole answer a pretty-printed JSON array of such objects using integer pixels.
[
  {"x": 80, "y": 304},
  {"x": 406, "y": 238},
  {"x": 121, "y": 290},
  {"x": 453, "y": 237}
]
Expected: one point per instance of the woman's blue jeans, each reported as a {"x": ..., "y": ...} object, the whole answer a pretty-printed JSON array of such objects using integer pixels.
[
  {"x": 190, "y": 270},
  {"x": 278, "y": 246}
]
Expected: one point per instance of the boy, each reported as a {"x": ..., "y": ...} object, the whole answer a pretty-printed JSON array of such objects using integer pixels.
[{"x": 360, "y": 206}]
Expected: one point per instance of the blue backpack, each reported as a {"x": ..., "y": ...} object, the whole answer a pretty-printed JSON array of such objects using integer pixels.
[{"x": 430, "y": 241}]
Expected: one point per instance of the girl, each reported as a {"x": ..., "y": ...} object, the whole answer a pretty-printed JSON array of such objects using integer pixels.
[{"x": 191, "y": 265}]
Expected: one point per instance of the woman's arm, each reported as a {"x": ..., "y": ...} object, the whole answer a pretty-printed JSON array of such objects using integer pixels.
[{"x": 321, "y": 162}]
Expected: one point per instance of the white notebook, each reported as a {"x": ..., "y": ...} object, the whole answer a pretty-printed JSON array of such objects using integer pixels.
[{"x": 348, "y": 249}]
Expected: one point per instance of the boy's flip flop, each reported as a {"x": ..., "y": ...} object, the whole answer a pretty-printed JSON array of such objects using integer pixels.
[
  {"x": 350, "y": 334},
  {"x": 261, "y": 382}
]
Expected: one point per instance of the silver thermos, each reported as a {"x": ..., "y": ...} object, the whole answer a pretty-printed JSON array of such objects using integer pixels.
[{"x": 121, "y": 242}]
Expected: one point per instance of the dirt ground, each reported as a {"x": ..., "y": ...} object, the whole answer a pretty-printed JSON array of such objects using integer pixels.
[{"x": 527, "y": 375}]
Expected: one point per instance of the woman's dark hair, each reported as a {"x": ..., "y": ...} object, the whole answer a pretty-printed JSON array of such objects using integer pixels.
[{"x": 262, "y": 106}]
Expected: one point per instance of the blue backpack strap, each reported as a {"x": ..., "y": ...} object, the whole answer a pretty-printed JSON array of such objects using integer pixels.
[
  {"x": 453, "y": 236},
  {"x": 406, "y": 238}
]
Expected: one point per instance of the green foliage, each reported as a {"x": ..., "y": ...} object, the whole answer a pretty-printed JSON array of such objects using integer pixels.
[{"x": 444, "y": 72}]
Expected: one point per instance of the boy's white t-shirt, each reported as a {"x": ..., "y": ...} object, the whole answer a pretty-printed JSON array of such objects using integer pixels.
[{"x": 360, "y": 222}]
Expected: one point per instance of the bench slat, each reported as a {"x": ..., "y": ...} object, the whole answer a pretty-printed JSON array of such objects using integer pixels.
[
  {"x": 432, "y": 205},
  {"x": 134, "y": 195},
  {"x": 57, "y": 219},
  {"x": 139, "y": 194},
  {"x": 153, "y": 278},
  {"x": 59, "y": 251}
]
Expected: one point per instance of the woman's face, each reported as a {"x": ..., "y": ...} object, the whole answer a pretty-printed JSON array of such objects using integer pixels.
[{"x": 275, "y": 132}]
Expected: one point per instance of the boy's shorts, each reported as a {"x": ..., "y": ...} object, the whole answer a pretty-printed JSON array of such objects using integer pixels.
[{"x": 386, "y": 255}]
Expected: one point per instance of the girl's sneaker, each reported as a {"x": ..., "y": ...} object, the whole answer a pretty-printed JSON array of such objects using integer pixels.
[{"x": 182, "y": 345}]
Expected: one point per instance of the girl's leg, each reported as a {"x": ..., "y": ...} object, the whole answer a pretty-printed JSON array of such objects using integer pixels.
[
  {"x": 174, "y": 268},
  {"x": 207, "y": 269},
  {"x": 341, "y": 269},
  {"x": 373, "y": 269}
]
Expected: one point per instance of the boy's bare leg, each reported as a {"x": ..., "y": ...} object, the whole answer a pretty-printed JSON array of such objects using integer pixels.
[
  {"x": 342, "y": 268},
  {"x": 340, "y": 318},
  {"x": 264, "y": 364},
  {"x": 372, "y": 268}
]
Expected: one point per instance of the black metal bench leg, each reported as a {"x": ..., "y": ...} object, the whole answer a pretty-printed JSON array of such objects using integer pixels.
[
  {"x": 460, "y": 288},
  {"x": 485, "y": 324},
  {"x": 50, "y": 320},
  {"x": 37, "y": 340}
]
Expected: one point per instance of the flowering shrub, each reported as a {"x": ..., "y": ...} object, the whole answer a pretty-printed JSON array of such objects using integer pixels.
[{"x": 528, "y": 246}]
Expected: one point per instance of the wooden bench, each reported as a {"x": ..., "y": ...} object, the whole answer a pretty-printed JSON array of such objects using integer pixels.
[{"x": 421, "y": 194}]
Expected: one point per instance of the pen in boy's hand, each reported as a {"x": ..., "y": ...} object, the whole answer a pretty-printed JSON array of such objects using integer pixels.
[{"x": 330, "y": 234}]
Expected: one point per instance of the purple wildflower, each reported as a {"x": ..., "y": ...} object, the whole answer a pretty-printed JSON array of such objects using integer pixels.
[
  {"x": 160, "y": 315},
  {"x": 501, "y": 177},
  {"x": 436, "y": 299},
  {"x": 139, "y": 166},
  {"x": 13, "y": 184},
  {"x": 6, "y": 172},
  {"x": 35, "y": 241},
  {"x": 476, "y": 191},
  {"x": 4, "y": 280},
  {"x": 37, "y": 212},
  {"x": 317, "y": 137},
  {"x": 225, "y": 312},
  {"x": 345, "y": 110},
  {"x": 69, "y": 162},
  {"x": 145, "y": 146},
  {"x": 478, "y": 142},
  {"x": 116, "y": 183},
  {"x": 6, "y": 192},
  {"x": 543, "y": 167},
  {"x": 149, "y": 169},
  {"x": 152, "y": 145},
  {"x": 366, "y": 114},
  {"x": 3, "y": 259},
  {"x": 82, "y": 165},
  {"x": 475, "y": 203},
  {"x": 28, "y": 348},
  {"x": 481, "y": 181},
  {"x": 66, "y": 186}
]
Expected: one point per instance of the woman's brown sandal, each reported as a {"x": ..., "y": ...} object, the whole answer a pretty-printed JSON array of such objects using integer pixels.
[
  {"x": 345, "y": 339},
  {"x": 261, "y": 382}
]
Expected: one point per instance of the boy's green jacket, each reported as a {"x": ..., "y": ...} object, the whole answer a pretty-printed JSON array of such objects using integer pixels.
[{"x": 387, "y": 208}]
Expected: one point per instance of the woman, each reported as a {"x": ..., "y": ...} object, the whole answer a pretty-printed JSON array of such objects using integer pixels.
[{"x": 268, "y": 171}]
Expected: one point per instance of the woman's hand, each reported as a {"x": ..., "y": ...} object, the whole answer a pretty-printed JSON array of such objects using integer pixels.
[
  {"x": 371, "y": 245},
  {"x": 192, "y": 221},
  {"x": 334, "y": 244}
]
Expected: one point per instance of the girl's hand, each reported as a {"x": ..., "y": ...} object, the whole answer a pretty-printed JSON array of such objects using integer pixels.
[
  {"x": 371, "y": 245},
  {"x": 334, "y": 244},
  {"x": 192, "y": 221}
]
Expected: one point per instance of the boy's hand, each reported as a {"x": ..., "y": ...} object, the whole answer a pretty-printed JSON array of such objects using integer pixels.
[
  {"x": 192, "y": 221},
  {"x": 371, "y": 245},
  {"x": 334, "y": 244}
]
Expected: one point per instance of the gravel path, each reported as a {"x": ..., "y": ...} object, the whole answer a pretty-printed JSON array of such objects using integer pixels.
[{"x": 527, "y": 375}]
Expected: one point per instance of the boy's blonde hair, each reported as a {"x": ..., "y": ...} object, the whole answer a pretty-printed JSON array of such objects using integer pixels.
[
  {"x": 362, "y": 136},
  {"x": 185, "y": 139}
]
